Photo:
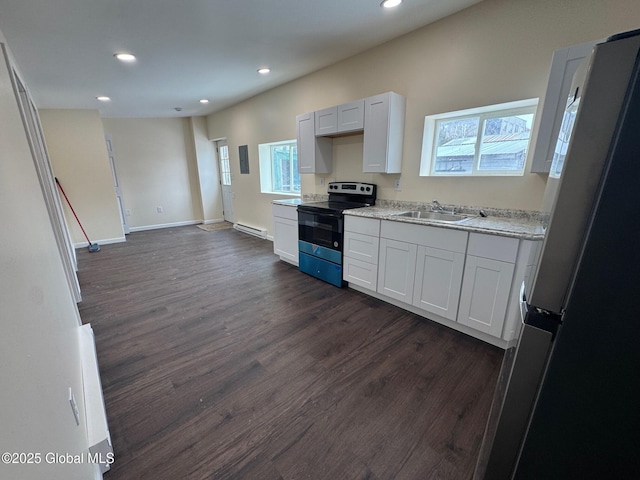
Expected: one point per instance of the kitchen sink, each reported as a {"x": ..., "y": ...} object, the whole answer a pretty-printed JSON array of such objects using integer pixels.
[{"x": 439, "y": 216}]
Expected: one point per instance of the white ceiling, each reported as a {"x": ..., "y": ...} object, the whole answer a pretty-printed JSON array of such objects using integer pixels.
[{"x": 191, "y": 49}]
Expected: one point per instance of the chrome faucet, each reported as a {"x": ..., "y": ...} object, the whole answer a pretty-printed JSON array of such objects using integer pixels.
[{"x": 436, "y": 207}]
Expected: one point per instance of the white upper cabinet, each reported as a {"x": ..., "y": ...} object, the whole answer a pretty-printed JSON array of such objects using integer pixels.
[
  {"x": 326, "y": 121},
  {"x": 380, "y": 117},
  {"x": 383, "y": 133},
  {"x": 345, "y": 118},
  {"x": 351, "y": 116},
  {"x": 564, "y": 64},
  {"x": 314, "y": 154}
]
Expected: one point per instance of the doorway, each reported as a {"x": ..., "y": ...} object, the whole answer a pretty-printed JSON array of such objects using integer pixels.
[{"x": 225, "y": 179}]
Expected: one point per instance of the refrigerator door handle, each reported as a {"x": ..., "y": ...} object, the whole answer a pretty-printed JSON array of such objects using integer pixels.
[{"x": 523, "y": 303}]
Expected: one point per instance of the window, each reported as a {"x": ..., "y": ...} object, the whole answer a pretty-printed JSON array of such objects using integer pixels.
[
  {"x": 225, "y": 168},
  {"x": 492, "y": 140},
  {"x": 279, "y": 167}
]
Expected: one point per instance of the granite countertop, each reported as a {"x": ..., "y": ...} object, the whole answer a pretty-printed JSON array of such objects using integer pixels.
[
  {"x": 515, "y": 224},
  {"x": 526, "y": 225},
  {"x": 288, "y": 201}
]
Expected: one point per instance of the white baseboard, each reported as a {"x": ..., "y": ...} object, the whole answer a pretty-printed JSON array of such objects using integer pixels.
[
  {"x": 103, "y": 241},
  {"x": 164, "y": 225}
]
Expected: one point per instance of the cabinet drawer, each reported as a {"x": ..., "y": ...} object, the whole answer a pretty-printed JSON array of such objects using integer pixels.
[
  {"x": 285, "y": 211},
  {"x": 366, "y": 226},
  {"x": 504, "y": 249},
  {"x": 361, "y": 247},
  {"x": 360, "y": 273},
  {"x": 436, "y": 237}
]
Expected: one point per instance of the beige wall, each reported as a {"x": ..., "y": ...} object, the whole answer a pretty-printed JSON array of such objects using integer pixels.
[
  {"x": 156, "y": 163},
  {"x": 493, "y": 52},
  {"x": 76, "y": 145},
  {"x": 39, "y": 351}
]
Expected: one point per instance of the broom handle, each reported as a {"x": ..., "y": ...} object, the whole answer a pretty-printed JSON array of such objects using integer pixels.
[{"x": 74, "y": 212}]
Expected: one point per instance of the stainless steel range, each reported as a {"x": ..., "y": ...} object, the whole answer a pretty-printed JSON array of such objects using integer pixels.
[{"x": 321, "y": 229}]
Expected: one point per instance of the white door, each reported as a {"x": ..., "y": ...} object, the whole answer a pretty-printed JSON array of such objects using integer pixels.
[
  {"x": 116, "y": 184},
  {"x": 225, "y": 179}
]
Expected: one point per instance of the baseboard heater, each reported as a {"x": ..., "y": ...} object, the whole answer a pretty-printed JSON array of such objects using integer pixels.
[{"x": 256, "y": 232}]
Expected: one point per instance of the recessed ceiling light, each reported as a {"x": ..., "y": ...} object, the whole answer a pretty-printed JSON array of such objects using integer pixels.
[
  {"x": 125, "y": 57},
  {"x": 204, "y": 100},
  {"x": 264, "y": 70},
  {"x": 390, "y": 3},
  {"x": 103, "y": 98}
]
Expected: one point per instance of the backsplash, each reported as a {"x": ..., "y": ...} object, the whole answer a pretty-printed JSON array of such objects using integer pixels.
[{"x": 527, "y": 215}]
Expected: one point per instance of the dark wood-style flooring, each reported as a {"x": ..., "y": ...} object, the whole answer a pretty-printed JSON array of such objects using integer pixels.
[{"x": 219, "y": 361}]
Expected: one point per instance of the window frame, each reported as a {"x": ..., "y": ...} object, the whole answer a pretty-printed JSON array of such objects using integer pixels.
[
  {"x": 267, "y": 170},
  {"x": 430, "y": 133}
]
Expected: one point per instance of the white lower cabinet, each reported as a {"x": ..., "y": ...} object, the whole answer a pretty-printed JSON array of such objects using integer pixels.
[
  {"x": 485, "y": 294},
  {"x": 468, "y": 281},
  {"x": 488, "y": 281},
  {"x": 285, "y": 232},
  {"x": 397, "y": 269},
  {"x": 437, "y": 281},
  {"x": 360, "y": 252}
]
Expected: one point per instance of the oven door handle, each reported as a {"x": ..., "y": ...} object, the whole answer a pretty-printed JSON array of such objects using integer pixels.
[{"x": 320, "y": 211}]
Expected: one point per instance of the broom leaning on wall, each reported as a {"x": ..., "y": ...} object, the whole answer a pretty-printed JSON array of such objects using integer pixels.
[{"x": 93, "y": 247}]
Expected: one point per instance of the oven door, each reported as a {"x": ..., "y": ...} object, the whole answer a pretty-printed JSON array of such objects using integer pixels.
[{"x": 320, "y": 227}]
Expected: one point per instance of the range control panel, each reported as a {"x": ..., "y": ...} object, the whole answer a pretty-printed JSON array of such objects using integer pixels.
[{"x": 352, "y": 188}]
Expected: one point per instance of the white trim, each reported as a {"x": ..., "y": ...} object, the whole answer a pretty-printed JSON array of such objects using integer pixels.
[
  {"x": 266, "y": 168},
  {"x": 429, "y": 133},
  {"x": 164, "y": 225},
  {"x": 105, "y": 241}
]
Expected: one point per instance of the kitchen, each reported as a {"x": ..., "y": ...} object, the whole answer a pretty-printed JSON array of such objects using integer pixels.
[{"x": 493, "y": 52}]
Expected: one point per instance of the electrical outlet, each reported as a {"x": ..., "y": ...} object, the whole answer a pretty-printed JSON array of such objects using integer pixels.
[
  {"x": 127, "y": 212},
  {"x": 322, "y": 181},
  {"x": 74, "y": 406},
  {"x": 398, "y": 185},
  {"x": 159, "y": 209}
]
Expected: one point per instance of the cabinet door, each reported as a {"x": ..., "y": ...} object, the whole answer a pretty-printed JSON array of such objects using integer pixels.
[
  {"x": 564, "y": 64},
  {"x": 351, "y": 116},
  {"x": 383, "y": 133},
  {"x": 285, "y": 239},
  {"x": 438, "y": 281},
  {"x": 314, "y": 154},
  {"x": 397, "y": 265},
  {"x": 326, "y": 121},
  {"x": 485, "y": 294},
  {"x": 375, "y": 133}
]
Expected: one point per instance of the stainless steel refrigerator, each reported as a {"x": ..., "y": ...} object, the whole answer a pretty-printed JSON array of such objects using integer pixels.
[{"x": 567, "y": 404}]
